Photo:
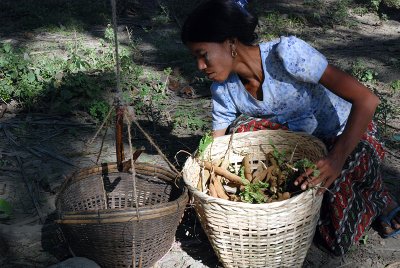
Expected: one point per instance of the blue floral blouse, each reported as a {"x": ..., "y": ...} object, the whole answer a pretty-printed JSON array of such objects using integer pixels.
[{"x": 291, "y": 93}]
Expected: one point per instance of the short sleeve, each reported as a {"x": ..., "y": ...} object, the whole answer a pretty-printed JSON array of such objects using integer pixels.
[
  {"x": 301, "y": 60},
  {"x": 223, "y": 109}
]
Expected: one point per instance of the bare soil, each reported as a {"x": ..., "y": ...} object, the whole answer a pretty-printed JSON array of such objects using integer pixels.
[{"x": 36, "y": 150}]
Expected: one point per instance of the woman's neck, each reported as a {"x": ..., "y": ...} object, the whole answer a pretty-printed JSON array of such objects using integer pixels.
[{"x": 249, "y": 68}]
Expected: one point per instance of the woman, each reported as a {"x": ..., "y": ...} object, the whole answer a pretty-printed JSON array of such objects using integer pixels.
[{"x": 288, "y": 84}]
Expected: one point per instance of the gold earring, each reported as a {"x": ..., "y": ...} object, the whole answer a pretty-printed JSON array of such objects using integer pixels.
[{"x": 233, "y": 53}]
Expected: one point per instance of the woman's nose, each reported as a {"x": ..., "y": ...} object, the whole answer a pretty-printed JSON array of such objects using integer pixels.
[{"x": 201, "y": 64}]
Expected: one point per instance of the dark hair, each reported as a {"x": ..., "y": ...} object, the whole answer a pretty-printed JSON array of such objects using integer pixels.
[{"x": 219, "y": 20}]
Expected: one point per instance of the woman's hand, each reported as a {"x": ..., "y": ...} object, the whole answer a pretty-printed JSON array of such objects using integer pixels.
[{"x": 329, "y": 169}]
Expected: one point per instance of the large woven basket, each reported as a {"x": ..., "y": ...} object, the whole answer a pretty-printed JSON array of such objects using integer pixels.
[
  {"x": 98, "y": 217},
  {"x": 276, "y": 234}
]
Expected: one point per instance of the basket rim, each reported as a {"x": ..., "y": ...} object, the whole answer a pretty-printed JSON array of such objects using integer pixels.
[
  {"x": 120, "y": 214},
  {"x": 268, "y": 132},
  {"x": 216, "y": 200},
  {"x": 209, "y": 199}
]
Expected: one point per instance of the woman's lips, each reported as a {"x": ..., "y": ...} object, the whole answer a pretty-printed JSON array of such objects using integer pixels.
[{"x": 211, "y": 75}]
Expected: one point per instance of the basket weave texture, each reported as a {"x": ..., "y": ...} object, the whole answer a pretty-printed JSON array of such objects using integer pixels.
[
  {"x": 276, "y": 234},
  {"x": 98, "y": 217}
]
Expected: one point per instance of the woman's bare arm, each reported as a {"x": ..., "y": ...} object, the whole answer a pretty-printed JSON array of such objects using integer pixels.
[
  {"x": 364, "y": 103},
  {"x": 219, "y": 132}
]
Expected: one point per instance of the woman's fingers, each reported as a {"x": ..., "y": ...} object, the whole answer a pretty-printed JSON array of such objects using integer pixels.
[
  {"x": 306, "y": 180},
  {"x": 303, "y": 178},
  {"x": 328, "y": 172}
]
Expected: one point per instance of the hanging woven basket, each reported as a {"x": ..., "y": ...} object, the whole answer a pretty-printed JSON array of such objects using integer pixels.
[
  {"x": 276, "y": 234},
  {"x": 99, "y": 219}
]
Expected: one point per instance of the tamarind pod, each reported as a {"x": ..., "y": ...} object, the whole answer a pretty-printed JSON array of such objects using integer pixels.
[
  {"x": 286, "y": 195},
  {"x": 277, "y": 171},
  {"x": 261, "y": 176},
  {"x": 283, "y": 196},
  {"x": 281, "y": 179},
  {"x": 273, "y": 185},
  {"x": 200, "y": 185},
  {"x": 273, "y": 181},
  {"x": 225, "y": 173},
  {"x": 204, "y": 177},
  {"x": 268, "y": 199},
  {"x": 247, "y": 168},
  {"x": 269, "y": 174},
  {"x": 211, "y": 187},
  {"x": 225, "y": 163},
  {"x": 233, "y": 197},
  {"x": 220, "y": 189},
  {"x": 256, "y": 173},
  {"x": 272, "y": 159},
  {"x": 217, "y": 162}
]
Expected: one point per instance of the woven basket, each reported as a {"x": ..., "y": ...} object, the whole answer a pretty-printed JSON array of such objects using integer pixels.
[
  {"x": 276, "y": 234},
  {"x": 98, "y": 217}
]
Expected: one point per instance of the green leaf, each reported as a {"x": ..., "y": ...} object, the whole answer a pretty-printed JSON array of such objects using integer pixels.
[
  {"x": 5, "y": 208},
  {"x": 206, "y": 140},
  {"x": 31, "y": 77},
  {"x": 278, "y": 155},
  {"x": 364, "y": 239},
  {"x": 7, "y": 47},
  {"x": 252, "y": 192}
]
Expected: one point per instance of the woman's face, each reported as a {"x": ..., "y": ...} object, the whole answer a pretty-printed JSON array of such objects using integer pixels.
[{"x": 214, "y": 59}]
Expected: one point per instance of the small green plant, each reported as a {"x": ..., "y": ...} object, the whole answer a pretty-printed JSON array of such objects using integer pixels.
[
  {"x": 395, "y": 85},
  {"x": 18, "y": 78},
  {"x": 99, "y": 109},
  {"x": 360, "y": 10},
  {"x": 383, "y": 17},
  {"x": 163, "y": 16},
  {"x": 206, "y": 140},
  {"x": 374, "y": 4},
  {"x": 386, "y": 112},
  {"x": 188, "y": 119},
  {"x": 303, "y": 164},
  {"x": 274, "y": 24},
  {"x": 280, "y": 156},
  {"x": 4, "y": 162},
  {"x": 364, "y": 239},
  {"x": 362, "y": 73},
  {"x": 253, "y": 193},
  {"x": 5, "y": 209},
  {"x": 338, "y": 12},
  {"x": 109, "y": 34}
]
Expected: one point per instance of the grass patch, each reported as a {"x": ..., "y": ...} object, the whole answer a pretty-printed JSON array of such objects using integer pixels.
[
  {"x": 52, "y": 15},
  {"x": 275, "y": 24}
]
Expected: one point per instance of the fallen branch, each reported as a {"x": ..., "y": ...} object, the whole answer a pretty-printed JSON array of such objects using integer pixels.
[
  {"x": 54, "y": 155},
  {"x": 9, "y": 169},
  {"x": 30, "y": 191}
]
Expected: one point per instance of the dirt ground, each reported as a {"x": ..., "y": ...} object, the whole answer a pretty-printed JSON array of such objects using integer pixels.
[{"x": 36, "y": 150}]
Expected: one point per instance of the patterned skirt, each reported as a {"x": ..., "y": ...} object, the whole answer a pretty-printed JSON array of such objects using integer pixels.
[{"x": 355, "y": 199}]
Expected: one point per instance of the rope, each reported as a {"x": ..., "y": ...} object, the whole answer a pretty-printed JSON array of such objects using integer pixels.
[
  {"x": 132, "y": 166},
  {"x": 101, "y": 126},
  {"x": 117, "y": 62},
  {"x": 155, "y": 146},
  {"x": 119, "y": 99}
]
